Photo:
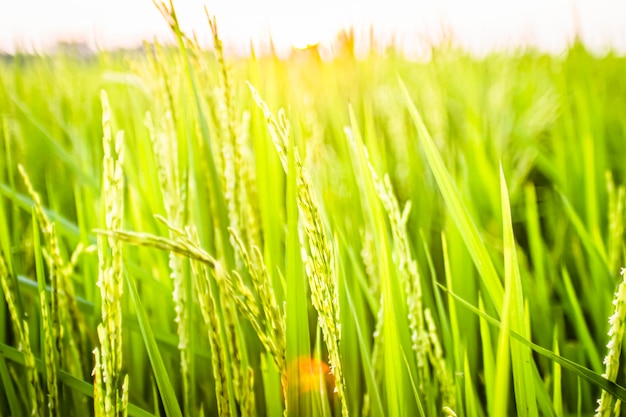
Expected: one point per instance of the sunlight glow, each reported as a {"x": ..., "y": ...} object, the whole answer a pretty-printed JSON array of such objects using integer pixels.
[{"x": 479, "y": 24}]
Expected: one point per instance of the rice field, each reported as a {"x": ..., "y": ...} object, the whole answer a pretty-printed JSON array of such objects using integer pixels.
[{"x": 188, "y": 234}]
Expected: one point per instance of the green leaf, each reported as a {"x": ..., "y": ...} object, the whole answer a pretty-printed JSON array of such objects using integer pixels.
[
  {"x": 9, "y": 390},
  {"x": 166, "y": 390},
  {"x": 457, "y": 208},
  {"x": 58, "y": 149},
  {"x": 297, "y": 320},
  {"x": 521, "y": 357},
  {"x": 368, "y": 368},
  {"x": 586, "y": 238},
  {"x": 68, "y": 380},
  {"x": 63, "y": 225},
  {"x": 594, "y": 378}
]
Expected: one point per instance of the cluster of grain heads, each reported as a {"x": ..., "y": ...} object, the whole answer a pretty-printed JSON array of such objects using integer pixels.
[
  {"x": 228, "y": 135},
  {"x": 317, "y": 249},
  {"x": 219, "y": 160},
  {"x": 237, "y": 175},
  {"x": 400, "y": 288},
  {"x": 34, "y": 390},
  {"x": 608, "y": 406},
  {"x": 49, "y": 309},
  {"x": 207, "y": 158},
  {"x": 426, "y": 344},
  {"x": 247, "y": 193},
  {"x": 173, "y": 184},
  {"x": 208, "y": 297},
  {"x": 110, "y": 386},
  {"x": 234, "y": 378},
  {"x": 268, "y": 319},
  {"x": 61, "y": 317}
]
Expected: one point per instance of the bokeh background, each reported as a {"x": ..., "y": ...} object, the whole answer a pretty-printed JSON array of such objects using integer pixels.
[{"x": 479, "y": 25}]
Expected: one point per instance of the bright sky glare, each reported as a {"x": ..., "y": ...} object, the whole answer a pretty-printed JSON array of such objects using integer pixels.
[{"x": 477, "y": 24}]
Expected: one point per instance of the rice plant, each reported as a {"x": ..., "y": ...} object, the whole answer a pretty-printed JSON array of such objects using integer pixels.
[{"x": 185, "y": 233}]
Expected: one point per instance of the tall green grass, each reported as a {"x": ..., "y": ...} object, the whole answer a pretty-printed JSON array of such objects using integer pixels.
[{"x": 182, "y": 233}]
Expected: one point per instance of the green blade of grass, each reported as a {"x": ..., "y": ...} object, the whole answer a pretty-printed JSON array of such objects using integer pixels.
[
  {"x": 68, "y": 380},
  {"x": 580, "y": 323},
  {"x": 395, "y": 328},
  {"x": 9, "y": 390},
  {"x": 272, "y": 388},
  {"x": 165, "y": 339},
  {"x": 489, "y": 363},
  {"x": 557, "y": 394},
  {"x": 503, "y": 359},
  {"x": 416, "y": 395},
  {"x": 368, "y": 368},
  {"x": 64, "y": 225},
  {"x": 521, "y": 357},
  {"x": 472, "y": 406},
  {"x": 594, "y": 378},
  {"x": 586, "y": 238},
  {"x": 5, "y": 238},
  {"x": 64, "y": 155},
  {"x": 456, "y": 207},
  {"x": 297, "y": 320},
  {"x": 166, "y": 390},
  {"x": 539, "y": 290},
  {"x": 46, "y": 330}
]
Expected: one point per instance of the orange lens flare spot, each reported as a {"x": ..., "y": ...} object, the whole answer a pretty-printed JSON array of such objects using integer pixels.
[{"x": 309, "y": 375}]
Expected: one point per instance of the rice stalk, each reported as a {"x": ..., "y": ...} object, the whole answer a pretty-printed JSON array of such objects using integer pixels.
[
  {"x": 320, "y": 267},
  {"x": 273, "y": 316},
  {"x": 267, "y": 320},
  {"x": 162, "y": 84},
  {"x": 208, "y": 158},
  {"x": 227, "y": 129},
  {"x": 233, "y": 343},
  {"x": 33, "y": 387},
  {"x": 64, "y": 310},
  {"x": 248, "y": 198},
  {"x": 179, "y": 246},
  {"x": 234, "y": 293},
  {"x": 238, "y": 176},
  {"x": 111, "y": 388},
  {"x": 165, "y": 148},
  {"x": 209, "y": 309},
  {"x": 53, "y": 348},
  {"x": 230, "y": 184},
  {"x": 318, "y": 257},
  {"x": 50, "y": 357},
  {"x": 606, "y": 406},
  {"x": 248, "y": 401},
  {"x": 242, "y": 374},
  {"x": 426, "y": 344},
  {"x": 438, "y": 362}
]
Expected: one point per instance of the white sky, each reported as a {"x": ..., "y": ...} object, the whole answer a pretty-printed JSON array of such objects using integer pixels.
[{"x": 477, "y": 24}]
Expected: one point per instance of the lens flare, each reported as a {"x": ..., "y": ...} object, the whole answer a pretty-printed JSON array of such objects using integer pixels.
[{"x": 310, "y": 375}]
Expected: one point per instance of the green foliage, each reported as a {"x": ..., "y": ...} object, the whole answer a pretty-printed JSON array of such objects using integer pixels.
[{"x": 371, "y": 236}]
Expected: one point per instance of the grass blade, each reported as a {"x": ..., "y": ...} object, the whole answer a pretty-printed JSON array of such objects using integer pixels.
[
  {"x": 521, "y": 357},
  {"x": 68, "y": 380},
  {"x": 594, "y": 378},
  {"x": 166, "y": 390},
  {"x": 456, "y": 208},
  {"x": 9, "y": 390}
]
